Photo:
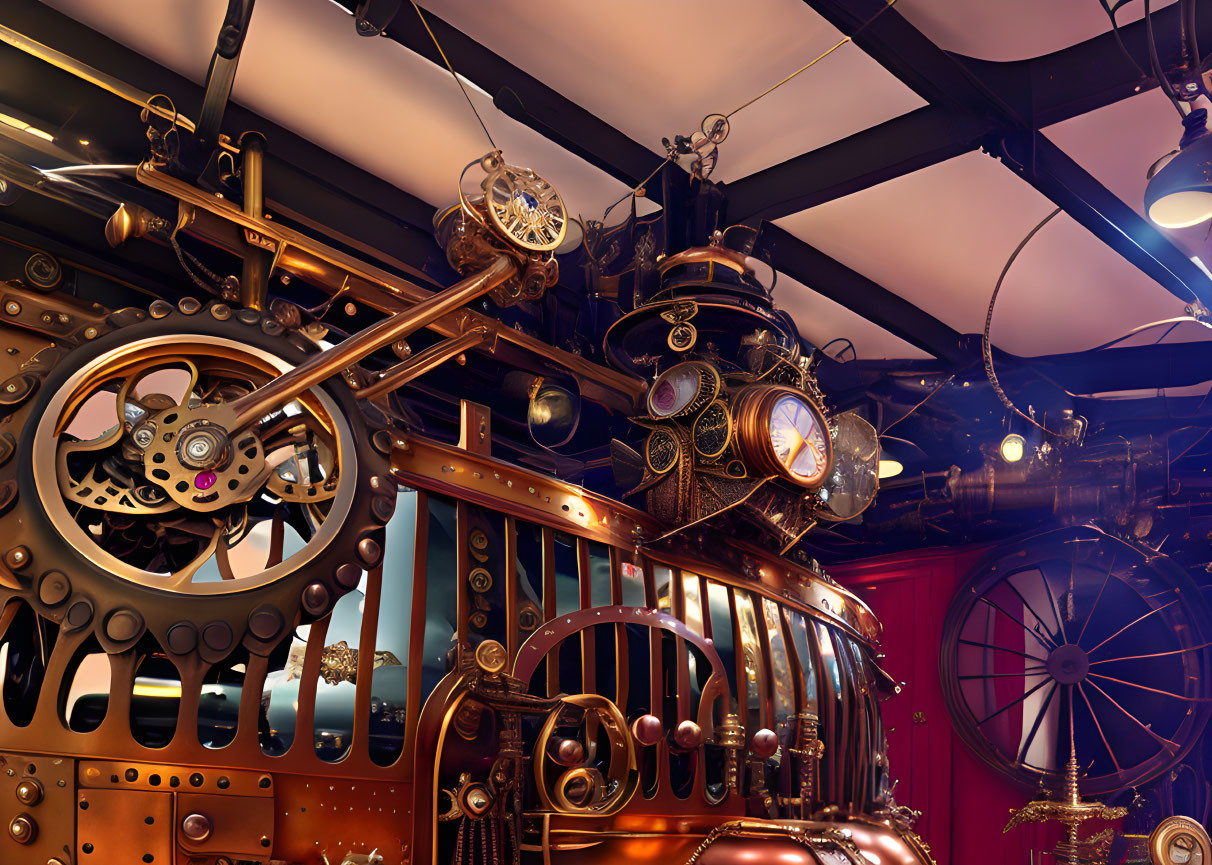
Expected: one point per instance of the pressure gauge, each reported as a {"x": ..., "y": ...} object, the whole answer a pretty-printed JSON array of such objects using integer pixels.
[
  {"x": 683, "y": 389},
  {"x": 662, "y": 450},
  {"x": 1180, "y": 841},
  {"x": 780, "y": 431}
]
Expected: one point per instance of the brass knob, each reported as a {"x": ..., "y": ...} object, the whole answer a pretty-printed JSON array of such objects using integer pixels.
[
  {"x": 23, "y": 829},
  {"x": 29, "y": 792},
  {"x": 196, "y": 827},
  {"x": 491, "y": 656},
  {"x": 765, "y": 743},
  {"x": 688, "y": 735},
  {"x": 568, "y": 752},
  {"x": 647, "y": 729}
]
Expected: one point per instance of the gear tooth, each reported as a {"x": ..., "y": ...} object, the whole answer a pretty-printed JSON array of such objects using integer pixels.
[{"x": 189, "y": 305}]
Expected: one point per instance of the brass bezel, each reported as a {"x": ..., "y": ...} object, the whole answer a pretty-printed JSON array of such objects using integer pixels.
[
  {"x": 751, "y": 416},
  {"x": 662, "y": 431},
  {"x": 1170, "y": 828},
  {"x": 710, "y": 385},
  {"x": 694, "y": 430}
]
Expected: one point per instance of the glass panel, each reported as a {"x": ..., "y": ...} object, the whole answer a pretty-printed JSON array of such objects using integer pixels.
[
  {"x": 632, "y": 579},
  {"x": 599, "y": 574},
  {"x": 721, "y": 630},
  {"x": 664, "y": 578},
  {"x": 155, "y": 700},
  {"x": 799, "y": 639},
  {"x": 280, "y": 697},
  {"x": 219, "y": 702},
  {"x": 567, "y": 586},
  {"x": 441, "y": 595},
  {"x": 780, "y": 667},
  {"x": 88, "y": 694},
  {"x": 335, "y": 692},
  {"x": 530, "y": 579},
  {"x": 389, "y": 681},
  {"x": 694, "y": 605},
  {"x": 747, "y": 620}
]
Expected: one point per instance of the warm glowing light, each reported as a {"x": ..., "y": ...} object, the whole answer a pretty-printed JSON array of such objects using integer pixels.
[
  {"x": 890, "y": 468},
  {"x": 1013, "y": 447},
  {"x": 9, "y": 120},
  {"x": 143, "y": 689},
  {"x": 84, "y": 142}
]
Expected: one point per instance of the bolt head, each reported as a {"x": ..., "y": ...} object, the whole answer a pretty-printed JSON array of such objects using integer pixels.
[
  {"x": 647, "y": 729},
  {"x": 196, "y": 827},
  {"x": 23, "y": 829},
  {"x": 29, "y": 792}
]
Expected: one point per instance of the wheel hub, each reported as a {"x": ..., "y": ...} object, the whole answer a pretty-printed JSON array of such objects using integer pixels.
[{"x": 1068, "y": 664}]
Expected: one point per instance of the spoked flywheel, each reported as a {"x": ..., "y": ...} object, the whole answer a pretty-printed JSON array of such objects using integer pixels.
[
  {"x": 1075, "y": 642},
  {"x": 151, "y": 500}
]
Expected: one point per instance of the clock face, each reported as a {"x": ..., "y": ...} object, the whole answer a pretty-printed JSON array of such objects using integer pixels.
[
  {"x": 682, "y": 389},
  {"x": 799, "y": 438}
]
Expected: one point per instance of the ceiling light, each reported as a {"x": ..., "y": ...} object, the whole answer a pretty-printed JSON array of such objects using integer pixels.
[
  {"x": 9, "y": 120},
  {"x": 1013, "y": 447},
  {"x": 84, "y": 142},
  {"x": 1179, "y": 193},
  {"x": 889, "y": 468}
]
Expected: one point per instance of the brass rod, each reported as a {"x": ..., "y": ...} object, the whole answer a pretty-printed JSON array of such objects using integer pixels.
[
  {"x": 87, "y": 73},
  {"x": 262, "y": 401},
  {"x": 419, "y": 364},
  {"x": 254, "y": 283}
]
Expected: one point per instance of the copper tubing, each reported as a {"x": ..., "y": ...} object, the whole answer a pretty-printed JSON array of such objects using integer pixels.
[
  {"x": 434, "y": 356},
  {"x": 264, "y": 400},
  {"x": 253, "y": 278}
]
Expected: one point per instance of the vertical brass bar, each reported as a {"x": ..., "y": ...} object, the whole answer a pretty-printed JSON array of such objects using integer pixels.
[
  {"x": 589, "y": 668},
  {"x": 549, "y": 609},
  {"x": 305, "y": 718},
  {"x": 764, "y": 666},
  {"x": 742, "y": 675},
  {"x": 191, "y": 675},
  {"x": 622, "y": 660},
  {"x": 416, "y": 634},
  {"x": 360, "y": 747},
  {"x": 656, "y": 661},
  {"x": 681, "y": 656},
  {"x": 254, "y": 280},
  {"x": 247, "y": 740},
  {"x": 511, "y": 587},
  {"x": 463, "y": 569}
]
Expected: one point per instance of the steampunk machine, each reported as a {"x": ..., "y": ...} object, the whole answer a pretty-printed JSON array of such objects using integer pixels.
[{"x": 273, "y": 590}]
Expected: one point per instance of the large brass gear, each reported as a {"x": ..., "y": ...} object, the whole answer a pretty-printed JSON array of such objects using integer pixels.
[{"x": 133, "y": 511}]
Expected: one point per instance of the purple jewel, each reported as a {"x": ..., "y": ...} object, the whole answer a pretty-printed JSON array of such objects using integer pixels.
[{"x": 205, "y": 480}]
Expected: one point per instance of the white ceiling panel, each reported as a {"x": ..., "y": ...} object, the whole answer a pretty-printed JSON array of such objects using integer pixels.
[
  {"x": 939, "y": 238},
  {"x": 1015, "y": 30},
  {"x": 370, "y": 101},
  {"x": 653, "y": 70},
  {"x": 822, "y": 321}
]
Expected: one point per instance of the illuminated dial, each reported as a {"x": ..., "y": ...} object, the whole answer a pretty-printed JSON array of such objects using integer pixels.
[
  {"x": 662, "y": 451},
  {"x": 712, "y": 430},
  {"x": 799, "y": 439},
  {"x": 683, "y": 389}
]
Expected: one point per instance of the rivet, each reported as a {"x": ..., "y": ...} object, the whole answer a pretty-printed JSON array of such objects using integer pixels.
[
  {"x": 182, "y": 638},
  {"x": 17, "y": 557},
  {"x": 90, "y": 333},
  {"x": 80, "y": 614},
  {"x": 348, "y": 575},
  {"x": 221, "y": 311},
  {"x": 383, "y": 507},
  {"x": 123, "y": 625},
  {"x": 23, "y": 829},
  {"x": 248, "y": 316},
  {"x": 315, "y": 598},
  {"x": 265, "y": 622},
  {"x": 189, "y": 305},
  {"x": 29, "y": 792},
  {"x": 160, "y": 308},
  {"x": 54, "y": 588},
  {"x": 382, "y": 441},
  {"x": 272, "y": 327},
  {"x": 369, "y": 552},
  {"x": 217, "y": 636},
  {"x": 196, "y": 827},
  {"x": 12, "y": 308}
]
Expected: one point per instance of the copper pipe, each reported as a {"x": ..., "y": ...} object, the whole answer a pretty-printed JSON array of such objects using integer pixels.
[
  {"x": 262, "y": 401},
  {"x": 253, "y": 279},
  {"x": 419, "y": 364}
]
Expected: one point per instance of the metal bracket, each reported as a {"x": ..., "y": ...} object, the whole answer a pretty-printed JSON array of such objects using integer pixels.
[
  {"x": 222, "y": 72},
  {"x": 372, "y": 17}
]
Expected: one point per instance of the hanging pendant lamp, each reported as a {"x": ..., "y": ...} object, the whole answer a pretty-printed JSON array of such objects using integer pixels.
[{"x": 1179, "y": 193}]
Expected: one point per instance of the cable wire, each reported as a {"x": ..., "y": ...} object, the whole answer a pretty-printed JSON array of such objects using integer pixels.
[
  {"x": 454, "y": 74},
  {"x": 987, "y": 348},
  {"x": 1155, "y": 64}
]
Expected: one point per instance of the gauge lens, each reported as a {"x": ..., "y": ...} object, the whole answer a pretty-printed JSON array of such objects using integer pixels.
[
  {"x": 853, "y": 481},
  {"x": 674, "y": 390},
  {"x": 797, "y": 436},
  {"x": 662, "y": 451}
]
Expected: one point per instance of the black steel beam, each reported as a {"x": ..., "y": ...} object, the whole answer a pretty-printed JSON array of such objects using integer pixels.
[
  {"x": 943, "y": 79},
  {"x": 828, "y": 277},
  {"x": 899, "y": 146},
  {"x": 523, "y": 97}
]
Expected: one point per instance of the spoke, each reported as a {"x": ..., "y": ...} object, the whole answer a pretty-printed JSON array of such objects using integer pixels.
[
  {"x": 1153, "y": 655},
  {"x": 1060, "y": 622},
  {"x": 1130, "y": 624},
  {"x": 1039, "y": 719},
  {"x": 277, "y": 534},
  {"x": 1038, "y": 619},
  {"x": 1026, "y": 674},
  {"x": 1013, "y": 703},
  {"x": 1001, "y": 649},
  {"x": 1038, "y": 637},
  {"x": 1099, "y": 727},
  {"x": 1097, "y": 598},
  {"x": 1152, "y": 690},
  {"x": 1173, "y": 745}
]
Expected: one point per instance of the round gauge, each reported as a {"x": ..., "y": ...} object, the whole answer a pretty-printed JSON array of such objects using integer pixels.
[
  {"x": 854, "y": 480},
  {"x": 662, "y": 451},
  {"x": 712, "y": 430},
  {"x": 1180, "y": 841},
  {"x": 683, "y": 389},
  {"x": 780, "y": 431}
]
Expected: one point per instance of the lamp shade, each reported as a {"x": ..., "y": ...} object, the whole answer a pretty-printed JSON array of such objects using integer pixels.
[{"x": 1179, "y": 194}]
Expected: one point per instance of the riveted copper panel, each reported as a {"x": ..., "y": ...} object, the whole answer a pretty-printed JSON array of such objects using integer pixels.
[
  {"x": 124, "y": 827},
  {"x": 52, "y": 813},
  {"x": 242, "y": 827}
]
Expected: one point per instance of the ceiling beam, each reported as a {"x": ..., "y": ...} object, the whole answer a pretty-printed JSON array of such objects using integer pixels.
[
  {"x": 849, "y": 288},
  {"x": 523, "y": 97},
  {"x": 899, "y": 146},
  {"x": 942, "y": 79}
]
